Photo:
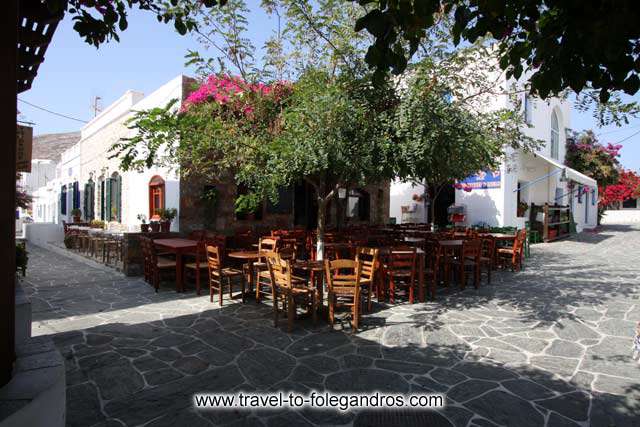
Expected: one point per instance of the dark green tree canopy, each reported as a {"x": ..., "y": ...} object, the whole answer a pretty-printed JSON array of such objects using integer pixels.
[
  {"x": 99, "y": 21},
  {"x": 566, "y": 44}
]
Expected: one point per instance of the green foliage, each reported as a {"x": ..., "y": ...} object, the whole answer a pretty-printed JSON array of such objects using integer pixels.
[
  {"x": 99, "y": 21},
  {"x": 69, "y": 241},
  {"x": 570, "y": 44},
  {"x": 76, "y": 212},
  {"x": 441, "y": 140},
  {"x": 167, "y": 214}
]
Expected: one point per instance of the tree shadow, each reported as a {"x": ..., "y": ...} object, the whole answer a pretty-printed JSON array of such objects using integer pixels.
[{"x": 147, "y": 372}]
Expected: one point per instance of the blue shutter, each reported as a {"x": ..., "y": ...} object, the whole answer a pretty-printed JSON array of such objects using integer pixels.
[
  {"x": 107, "y": 199},
  {"x": 63, "y": 200}
]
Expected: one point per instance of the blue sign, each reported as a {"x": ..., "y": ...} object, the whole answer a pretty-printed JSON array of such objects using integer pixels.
[{"x": 482, "y": 180}]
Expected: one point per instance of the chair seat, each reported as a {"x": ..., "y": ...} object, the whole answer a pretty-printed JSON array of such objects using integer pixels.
[
  {"x": 400, "y": 273},
  {"x": 166, "y": 263},
  {"x": 194, "y": 266},
  {"x": 229, "y": 272}
]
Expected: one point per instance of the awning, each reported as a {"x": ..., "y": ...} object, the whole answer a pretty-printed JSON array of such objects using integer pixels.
[{"x": 569, "y": 173}]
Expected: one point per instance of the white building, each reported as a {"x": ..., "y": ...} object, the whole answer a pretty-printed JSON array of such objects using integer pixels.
[
  {"x": 87, "y": 179},
  {"x": 538, "y": 178}
]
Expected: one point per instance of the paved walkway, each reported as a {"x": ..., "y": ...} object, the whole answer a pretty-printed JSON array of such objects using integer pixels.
[{"x": 547, "y": 346}]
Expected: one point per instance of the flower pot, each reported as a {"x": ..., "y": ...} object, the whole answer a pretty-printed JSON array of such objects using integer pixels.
[
  {"x": 144, "y": 228},
  {"x": 165, "y": 226},
  {"x": 76, "y": 218},
  {"x": 155, "y": 227}
]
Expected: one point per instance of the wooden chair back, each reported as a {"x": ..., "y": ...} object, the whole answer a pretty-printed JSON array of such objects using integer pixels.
[
  {"x": 268, "y": 244},
  {"x": 488, "y": 247},
  {"x": 472, "y": 249},
  {"x": 368, "y": 259},
  {"x": 402, "y": 259},
  {"x": 280, "y": 270},
  {"x": 214, "y": 262},
  {"x": 343, "y": 276}
]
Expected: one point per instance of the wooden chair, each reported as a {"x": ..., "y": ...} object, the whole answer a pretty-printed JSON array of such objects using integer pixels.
[
  {"x": 291, "y": 292},
  {"x": 157, "y": 264},
  {"x": 401, "y": 270},
  {"x": 146, "y": 256},
  {"x": 260, "y": 269},
  {"x": 199, "y": 263},
  {"x": 344, "y": 288},
  {"x": 368, "y": 259},
  {"x": 513, "y": 255},
  {"x": 488, "y": 255},
  {"x": 469, "y": 257},
  {"x": 218, "y": 274}
]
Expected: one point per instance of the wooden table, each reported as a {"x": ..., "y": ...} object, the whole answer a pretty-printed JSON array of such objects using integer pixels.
[
  {"x": 250, "y": 257},
  {"x": 179, "y": 247}
]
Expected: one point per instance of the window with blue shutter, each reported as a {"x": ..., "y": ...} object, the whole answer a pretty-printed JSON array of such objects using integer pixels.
[
  {"x": 107, "y": 199},
  {"x": 63, "y": 200}
]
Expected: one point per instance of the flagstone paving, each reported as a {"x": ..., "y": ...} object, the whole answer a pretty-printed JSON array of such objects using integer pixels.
[{"x": 547, "y": 346}]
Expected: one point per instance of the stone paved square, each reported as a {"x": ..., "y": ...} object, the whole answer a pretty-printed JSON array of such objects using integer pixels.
[{"x": 546, "y": 346}]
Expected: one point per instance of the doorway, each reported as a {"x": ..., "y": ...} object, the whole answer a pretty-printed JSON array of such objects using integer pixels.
[{"x": 305, "y": 206}]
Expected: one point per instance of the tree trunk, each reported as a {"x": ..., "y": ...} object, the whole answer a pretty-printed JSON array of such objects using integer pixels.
[
  {"x": 322, "y": 214},
  {"x": 432, "y": 207}
]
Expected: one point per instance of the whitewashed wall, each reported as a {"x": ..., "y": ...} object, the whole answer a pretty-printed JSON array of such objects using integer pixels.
[{"x": 401, "y": 194}]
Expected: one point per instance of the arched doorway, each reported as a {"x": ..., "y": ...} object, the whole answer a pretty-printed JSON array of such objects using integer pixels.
[{"x": 157, "y": 196}]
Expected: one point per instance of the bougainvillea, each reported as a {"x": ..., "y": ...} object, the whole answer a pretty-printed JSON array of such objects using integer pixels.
[
  {"x": 587, "y": 155},
  {"x": 627, "y": 187}
]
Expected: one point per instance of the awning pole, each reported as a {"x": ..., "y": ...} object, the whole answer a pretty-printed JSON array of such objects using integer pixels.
[{"x": 539, "y": 179}]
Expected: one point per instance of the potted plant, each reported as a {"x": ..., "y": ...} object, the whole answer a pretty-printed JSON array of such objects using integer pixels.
[
  {"x": 76, "y": 213},
  {"x": 114, "y": 215},
  {"x": 155, "y": 226},
  {"x": 144, "y": 227},
  {"x": 522, "y": 208},
  {"x": 69, "y": 241},
  {"x": 96, "y": 223},
  {"x": 166, "y": 217}
]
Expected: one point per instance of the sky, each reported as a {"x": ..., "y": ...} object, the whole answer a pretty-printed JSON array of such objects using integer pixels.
[{"x": 150, "y": 54}]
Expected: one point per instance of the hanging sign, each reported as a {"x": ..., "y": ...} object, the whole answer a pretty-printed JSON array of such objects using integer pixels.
[
  {"x": 481, "y": 180},
  {"x": 24, "y": 145}
]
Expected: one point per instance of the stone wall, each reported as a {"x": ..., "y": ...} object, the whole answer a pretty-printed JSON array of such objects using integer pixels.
[{"x": 194, "y": 213}]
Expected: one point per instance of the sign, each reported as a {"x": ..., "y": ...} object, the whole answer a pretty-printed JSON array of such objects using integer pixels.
[
  {"x": 24, "y": 145},
  {"x": 482, "y": 180}
]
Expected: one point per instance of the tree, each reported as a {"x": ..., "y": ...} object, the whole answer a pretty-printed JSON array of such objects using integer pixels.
[
  {"x": 441, "y": 141},
  {"x": 569, "y": 44},
  {"x": 331, "y": 132},
  {"x": 585, "y": 154},
  {"x": 627, "y": 187},
  {"x": 99, "y": 21}
]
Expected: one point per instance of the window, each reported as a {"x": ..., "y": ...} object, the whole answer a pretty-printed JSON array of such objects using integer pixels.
[
  {"x": 593, "y": 197},
  {"x": 555, "y": 136},
  {"x": 63, "y": 200},
  {"x": 111, "y": 198},
  {"x": 76, "y": 195},
  {"x": 528, "y": 109},
  {"x": 358, "y": 205},
  {"x": 89, "y": 200},
  {"x": 156, "y": 196}
]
